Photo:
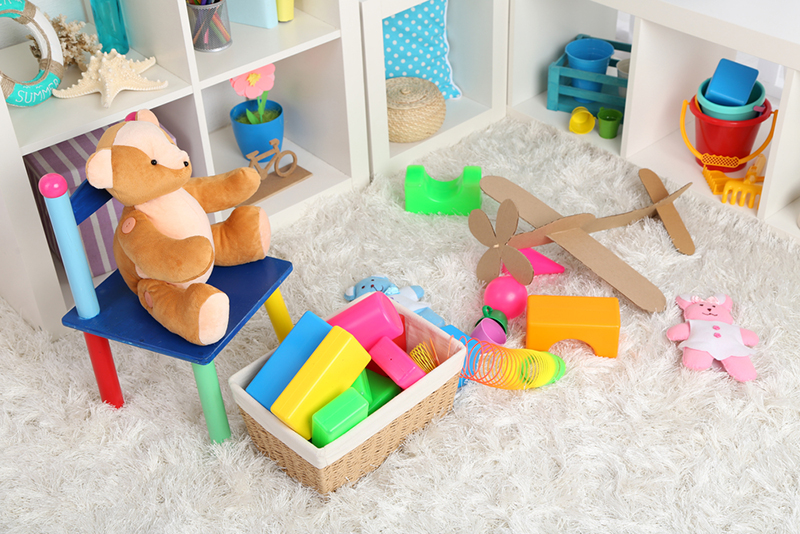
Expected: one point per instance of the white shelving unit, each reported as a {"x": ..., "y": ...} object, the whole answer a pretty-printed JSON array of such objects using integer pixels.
[
  {"x": 477, "y": 33},
  {"x": 676, "y": 45},
  {"x": 319, "y": 83}
]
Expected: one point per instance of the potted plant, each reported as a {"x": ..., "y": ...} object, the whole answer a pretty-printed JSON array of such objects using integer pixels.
[{"x": 257, "y": 120}]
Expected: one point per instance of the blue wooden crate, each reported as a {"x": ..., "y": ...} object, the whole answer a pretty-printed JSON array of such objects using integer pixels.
[{"x": 561, "y": 94}]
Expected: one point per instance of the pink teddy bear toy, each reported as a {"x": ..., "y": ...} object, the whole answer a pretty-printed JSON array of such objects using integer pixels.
[{"x": 709, "y": 334}]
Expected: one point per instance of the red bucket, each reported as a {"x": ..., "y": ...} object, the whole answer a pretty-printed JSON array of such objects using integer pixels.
[{"x": 726, "y": 138}]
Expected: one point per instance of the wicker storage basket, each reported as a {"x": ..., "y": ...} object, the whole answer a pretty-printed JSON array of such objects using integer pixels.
[
  {"x": 416, "y": 109},
  {"x": 367, "y": 445}
]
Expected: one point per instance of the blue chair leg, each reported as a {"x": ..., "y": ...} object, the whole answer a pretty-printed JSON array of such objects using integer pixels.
[{"x": 211, "y": 400}]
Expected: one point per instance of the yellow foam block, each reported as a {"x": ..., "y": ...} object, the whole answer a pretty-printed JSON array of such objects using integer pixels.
[
  {"x": 593, "y": 320},
  {"x": 328, "y": 372}
]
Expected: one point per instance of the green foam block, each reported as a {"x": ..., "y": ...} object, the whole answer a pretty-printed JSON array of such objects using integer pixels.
[
  {"x": 337, "y": 417},
  {"x": 362, "y": 386},
  {"x": 383, "y": 389}
]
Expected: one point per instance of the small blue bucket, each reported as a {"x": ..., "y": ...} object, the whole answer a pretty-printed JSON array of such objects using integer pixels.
[
  {"x": 591, "y": 55},
  {"x": 732, "y": 113}
]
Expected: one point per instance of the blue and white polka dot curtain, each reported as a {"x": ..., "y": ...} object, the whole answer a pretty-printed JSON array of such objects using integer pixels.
[{"x": 415, "y": 45}]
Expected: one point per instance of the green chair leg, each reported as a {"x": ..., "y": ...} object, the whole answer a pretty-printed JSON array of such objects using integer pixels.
[{"x": 211, "y": 400}]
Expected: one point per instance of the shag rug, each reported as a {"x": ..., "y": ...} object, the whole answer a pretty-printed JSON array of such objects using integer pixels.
[{"x": 634, "y": 444}]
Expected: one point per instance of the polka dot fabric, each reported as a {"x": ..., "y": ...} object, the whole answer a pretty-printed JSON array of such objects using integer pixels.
[{"x": 415, "y": 45}]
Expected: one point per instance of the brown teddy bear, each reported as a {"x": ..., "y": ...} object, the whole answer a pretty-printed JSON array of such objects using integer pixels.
[{"x": 164, "y": 245}]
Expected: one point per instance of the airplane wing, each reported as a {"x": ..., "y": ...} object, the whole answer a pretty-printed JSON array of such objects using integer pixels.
[
  {"x": 579, "y": 243},
  {"x": 610, "y": 268},
  {"x": 668, "y": 213}
]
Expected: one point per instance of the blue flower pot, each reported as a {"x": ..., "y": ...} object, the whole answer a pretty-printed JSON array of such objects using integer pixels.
[{"x": 256, "y": 137}]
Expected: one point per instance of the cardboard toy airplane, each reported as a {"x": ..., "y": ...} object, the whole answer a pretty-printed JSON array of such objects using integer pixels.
[{"x": 572, "y": 234}]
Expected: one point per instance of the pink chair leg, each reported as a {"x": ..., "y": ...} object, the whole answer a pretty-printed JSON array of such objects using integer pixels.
[{"x": 104, "y": 371}]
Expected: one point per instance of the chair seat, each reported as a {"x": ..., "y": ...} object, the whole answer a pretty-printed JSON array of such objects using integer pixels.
[{"x": 122, "y": 318}]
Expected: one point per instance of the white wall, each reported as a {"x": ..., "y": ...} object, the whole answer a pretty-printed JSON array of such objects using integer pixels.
[{"x": 11, "y": 32}]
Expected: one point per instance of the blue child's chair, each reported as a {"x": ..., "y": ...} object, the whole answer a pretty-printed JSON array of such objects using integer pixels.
[{"x": 112, "y": 310}]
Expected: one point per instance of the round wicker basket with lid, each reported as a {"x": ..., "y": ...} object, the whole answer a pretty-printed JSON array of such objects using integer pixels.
[{"x": 416, "y": 109}]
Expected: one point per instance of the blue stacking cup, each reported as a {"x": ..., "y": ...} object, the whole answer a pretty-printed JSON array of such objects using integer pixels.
[{"x": 591, "y": 55}]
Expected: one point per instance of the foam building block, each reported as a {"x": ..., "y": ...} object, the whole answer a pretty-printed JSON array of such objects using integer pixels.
[
  {"x": 337, "y": 417},
  {"x": 370, "y": 319},
  {"x": 398, "y": 365},
  {"x": 593, "y": 320},
  {"x": 288, "y": 358},
  {"x": 383, "y": 390},
  {"x": 731, "y": 83},
  {"x": 454, "y": 197},
  {"x": 329, "y": 371},
  {"x": 361, "y": 385}
]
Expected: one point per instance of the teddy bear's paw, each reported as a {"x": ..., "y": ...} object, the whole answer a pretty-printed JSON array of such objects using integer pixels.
[
  {"x": 212, "y": 320},
  {"x": 265, "y": 230},
  {"x": 740, "y": 368}
]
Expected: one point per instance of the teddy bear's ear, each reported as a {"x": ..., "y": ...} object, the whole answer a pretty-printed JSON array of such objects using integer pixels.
[
  {"x": 724, "y": 301},
  {"x": 684, "y": 301},
  {"x": 98, "y": 169},
  {"x": 350, "y": 293},
  {"x": 146, "y": 115}
]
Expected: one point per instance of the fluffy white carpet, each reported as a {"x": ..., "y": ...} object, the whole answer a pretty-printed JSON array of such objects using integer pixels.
[{"x": 634, "y": 444}]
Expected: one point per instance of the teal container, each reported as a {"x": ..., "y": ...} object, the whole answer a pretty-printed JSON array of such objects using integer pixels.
[{"x": 732, "y": 113}]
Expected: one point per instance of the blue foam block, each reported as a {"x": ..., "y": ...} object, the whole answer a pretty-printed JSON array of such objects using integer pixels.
[
  {"x": 731, "y": 84},
  {"x": 288, "y": 358}
]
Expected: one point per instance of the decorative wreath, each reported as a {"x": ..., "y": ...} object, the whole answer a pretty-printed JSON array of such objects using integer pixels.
[{"x": 51, "y": 64}]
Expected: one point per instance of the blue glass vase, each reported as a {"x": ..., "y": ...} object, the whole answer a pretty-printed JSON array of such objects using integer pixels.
[{"x": 110, "y": 25}]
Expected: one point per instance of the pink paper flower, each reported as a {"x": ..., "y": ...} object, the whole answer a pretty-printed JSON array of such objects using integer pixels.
[{"x": 253, "y": 83}]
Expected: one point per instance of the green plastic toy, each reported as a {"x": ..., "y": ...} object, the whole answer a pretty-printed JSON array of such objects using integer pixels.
[
  {"x": 337, "y": 417},
  {"x": 454, "y": 197},
  {"x": 383, "y": 390},
  {"x": 362, "y": 386}
]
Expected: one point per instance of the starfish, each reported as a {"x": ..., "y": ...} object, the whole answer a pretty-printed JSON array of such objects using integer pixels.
[{"x": 108, "y": 74}]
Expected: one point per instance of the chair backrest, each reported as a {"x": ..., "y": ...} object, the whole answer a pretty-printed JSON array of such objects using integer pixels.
[{"x": 86, "y": 200}]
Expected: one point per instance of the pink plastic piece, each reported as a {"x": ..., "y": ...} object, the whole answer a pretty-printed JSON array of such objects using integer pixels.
[
  {"x": 489, "y": 330},
  {"x": 370, "y": 319},
  {"x": 541, "y": 264},
  {"x": 397, "y": 364},
  {"x": 52, "y": 185},
  {"x": 507, "y": 295}
]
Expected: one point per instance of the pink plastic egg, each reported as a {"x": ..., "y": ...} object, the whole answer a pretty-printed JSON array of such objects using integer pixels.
[{"x": 507, "y": 295}]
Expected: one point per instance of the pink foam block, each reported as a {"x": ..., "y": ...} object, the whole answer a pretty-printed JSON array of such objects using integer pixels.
[
  {"x": 397, "y": 364},
  {"x": 541, "y": 264},
  {"x": 370, "y": 319}
]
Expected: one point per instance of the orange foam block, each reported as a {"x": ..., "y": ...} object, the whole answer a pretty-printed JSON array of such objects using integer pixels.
[
  {"x": 593, "y": 320},
  {"x": 329, "y": 371}
]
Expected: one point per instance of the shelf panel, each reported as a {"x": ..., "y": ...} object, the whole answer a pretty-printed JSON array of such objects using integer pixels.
[
  {"x": 459, "y": 111},
  {"x": 255, "y": 47},
  {"x": 287, "y": 206},
  {"x": 786, "y": 220},
  {"x": 59, "y": 119},
  {"x": 536, "y": 108}
]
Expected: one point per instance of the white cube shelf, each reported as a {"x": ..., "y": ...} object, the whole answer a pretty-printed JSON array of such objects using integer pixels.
[
  {"x": 676, "y": 45},
  {"x": 319, "y": 82},
  {"x": 477, "y": 33}
]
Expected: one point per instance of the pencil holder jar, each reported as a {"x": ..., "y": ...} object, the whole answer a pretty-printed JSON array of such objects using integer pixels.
[{"x": 209, "y": 24}]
